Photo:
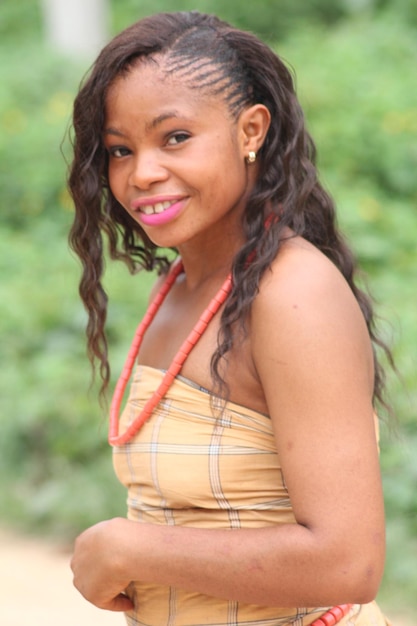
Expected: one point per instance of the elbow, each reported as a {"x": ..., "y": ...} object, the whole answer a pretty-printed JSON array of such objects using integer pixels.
[
  {"x": 364, "y": 593},
  {"x": 368, "y": 586},
  {"x": 359, "y": 581},
  {"x": 354, "y": 569}
]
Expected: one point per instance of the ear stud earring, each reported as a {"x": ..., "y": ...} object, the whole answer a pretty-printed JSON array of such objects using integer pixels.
[{"x": 251, "y": 158}]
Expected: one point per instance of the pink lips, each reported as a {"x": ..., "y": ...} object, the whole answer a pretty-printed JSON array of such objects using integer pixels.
[{"x": 159, "y": 219}]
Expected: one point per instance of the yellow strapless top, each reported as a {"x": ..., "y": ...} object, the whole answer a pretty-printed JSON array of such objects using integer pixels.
[{"x": 193, "y": 465}]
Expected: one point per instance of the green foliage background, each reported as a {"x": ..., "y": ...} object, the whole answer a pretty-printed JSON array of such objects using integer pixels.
[{"x": 355, "y": 62}]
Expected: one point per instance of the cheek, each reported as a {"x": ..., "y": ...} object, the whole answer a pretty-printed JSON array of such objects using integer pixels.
[
  {"x": 116, "y": 182},
  {"x": 231, "y": 179},
  {"x": 227, "y": 171},
  {"x": 111, "y": 176}
]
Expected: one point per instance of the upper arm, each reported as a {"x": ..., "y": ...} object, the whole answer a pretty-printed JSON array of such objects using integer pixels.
[{"x": 313, "y": 356}]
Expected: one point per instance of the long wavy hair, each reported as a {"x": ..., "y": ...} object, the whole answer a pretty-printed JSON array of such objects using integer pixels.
[{"x": 207, "y": 53}]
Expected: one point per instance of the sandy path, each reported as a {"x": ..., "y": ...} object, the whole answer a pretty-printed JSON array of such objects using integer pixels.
[{"x": 36, "y": 588}]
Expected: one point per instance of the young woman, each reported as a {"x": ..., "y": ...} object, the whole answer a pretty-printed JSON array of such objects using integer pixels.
[{"x": 248, "y": 442}]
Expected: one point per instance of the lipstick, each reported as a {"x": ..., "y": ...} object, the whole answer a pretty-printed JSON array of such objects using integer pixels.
[{"x": 158, "y": 210}]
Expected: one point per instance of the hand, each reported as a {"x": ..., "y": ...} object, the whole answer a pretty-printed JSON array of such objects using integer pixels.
[{"x": 97, "y": 565}]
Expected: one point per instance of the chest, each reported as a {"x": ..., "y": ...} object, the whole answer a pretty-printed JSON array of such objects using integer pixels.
[{"x": 170, "y": 328}]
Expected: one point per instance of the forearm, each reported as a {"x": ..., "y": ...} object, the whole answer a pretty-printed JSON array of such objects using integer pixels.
[{"x": 280, "y": 566}]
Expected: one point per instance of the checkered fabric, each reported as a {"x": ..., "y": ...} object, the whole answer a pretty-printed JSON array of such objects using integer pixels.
[{"x": 192, "y": 466}]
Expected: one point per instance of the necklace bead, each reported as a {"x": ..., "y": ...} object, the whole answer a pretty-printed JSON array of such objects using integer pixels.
[{"x": 115, "y": 438}]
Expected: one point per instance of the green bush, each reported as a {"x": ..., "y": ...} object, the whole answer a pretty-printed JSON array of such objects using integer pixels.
[
  {"x": 357, "y": 85},
  {"x": 268, "y": 18},
  {"x": 34, "y": 110},
  {"x": 273, "y": 20},
  {"x": 18, "y": 20}
]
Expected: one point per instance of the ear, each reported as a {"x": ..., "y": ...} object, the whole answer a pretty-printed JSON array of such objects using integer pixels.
[{"x": 254, "y": 123}]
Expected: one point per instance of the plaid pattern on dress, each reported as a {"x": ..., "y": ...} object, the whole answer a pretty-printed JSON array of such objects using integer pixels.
[{"x": 189, "y": 467}]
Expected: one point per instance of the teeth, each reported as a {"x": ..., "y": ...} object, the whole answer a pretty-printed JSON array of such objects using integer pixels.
[{"x": 159, "y": 207}]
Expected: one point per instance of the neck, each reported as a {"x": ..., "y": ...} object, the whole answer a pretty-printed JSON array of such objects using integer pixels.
[
  {"x": 210, "y": 263},
  {"x": 210, "y": 255}
]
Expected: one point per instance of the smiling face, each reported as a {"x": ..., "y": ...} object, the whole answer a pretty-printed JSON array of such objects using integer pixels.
[{"x": 177, "y": 157}]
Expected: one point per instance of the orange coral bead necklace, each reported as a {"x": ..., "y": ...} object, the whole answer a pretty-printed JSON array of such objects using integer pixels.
[{"x": 177, "y": 268}]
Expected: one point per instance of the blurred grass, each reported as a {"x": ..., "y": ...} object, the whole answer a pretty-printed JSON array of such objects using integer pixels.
[{"x": 357, "y": 85}]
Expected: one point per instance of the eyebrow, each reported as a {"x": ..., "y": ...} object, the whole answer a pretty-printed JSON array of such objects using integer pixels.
[
  {"x": 113, "y": 131},
  {"x": 162, "y": 118},
  {"x": 150, "y": 126}
]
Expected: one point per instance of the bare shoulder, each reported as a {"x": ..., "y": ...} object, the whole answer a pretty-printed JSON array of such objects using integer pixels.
[
  {"x": 303, "y": 284},
  {"x": 307, "y": 316},
  {"x": 300, "y": 268}
]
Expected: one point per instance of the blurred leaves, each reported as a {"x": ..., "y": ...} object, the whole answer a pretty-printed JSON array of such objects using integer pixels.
[
  {"x": 268, "y": 18},
  {"x": 34, "y": 111},
  {"x": 355, "y": 62}
]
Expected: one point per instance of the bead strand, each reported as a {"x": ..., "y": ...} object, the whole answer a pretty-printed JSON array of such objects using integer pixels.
[
  {"x": 333, "y": 615},
  {"x": 178, "y": 361},
  {"x": 124, "y": 377}
]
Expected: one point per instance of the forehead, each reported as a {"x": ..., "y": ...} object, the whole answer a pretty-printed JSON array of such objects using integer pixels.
[{"x": 154, "y": 84}]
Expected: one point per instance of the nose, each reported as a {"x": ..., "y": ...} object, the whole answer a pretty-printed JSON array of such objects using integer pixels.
[{"x": 147, "y": 169}]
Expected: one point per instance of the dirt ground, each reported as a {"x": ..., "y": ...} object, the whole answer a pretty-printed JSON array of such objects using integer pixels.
[{"x": 36, "y": 588}]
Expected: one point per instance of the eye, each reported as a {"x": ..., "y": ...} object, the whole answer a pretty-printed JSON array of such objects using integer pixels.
[
  {"x": 176, "y": 138},
  {"x": 118, "y": 152}
]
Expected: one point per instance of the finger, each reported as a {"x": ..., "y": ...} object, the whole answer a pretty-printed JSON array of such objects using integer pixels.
[{"x": 120, "y": 603}]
